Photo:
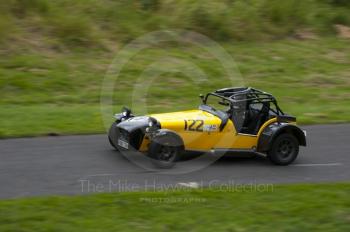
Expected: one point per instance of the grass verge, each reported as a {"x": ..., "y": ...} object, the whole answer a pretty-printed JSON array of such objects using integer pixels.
[
  {"x": 44, "y": 93},
  {"x": 307, "y": 207}
]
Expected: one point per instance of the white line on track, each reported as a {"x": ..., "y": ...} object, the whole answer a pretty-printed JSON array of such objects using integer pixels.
[
  {"x": 316, "y": 165},
  {"x": 189, "y": 184}
]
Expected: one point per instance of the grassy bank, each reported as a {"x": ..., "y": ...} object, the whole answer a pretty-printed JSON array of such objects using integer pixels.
[
  {"x": 52, "y": 64},
  {"x": 90, "y": 23},
  {"x": 309, "y": 207},
  {"x": 45, "y": 93}
]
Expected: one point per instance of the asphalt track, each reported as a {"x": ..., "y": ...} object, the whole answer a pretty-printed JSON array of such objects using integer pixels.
[{"x": 87, "y": 164}]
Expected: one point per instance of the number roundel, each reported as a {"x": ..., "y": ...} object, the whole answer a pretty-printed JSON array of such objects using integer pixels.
[{"x": 194, "y": 125}]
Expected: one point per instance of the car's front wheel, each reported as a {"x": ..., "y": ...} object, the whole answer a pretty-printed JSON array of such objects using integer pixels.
[
  {"x": 164, "y": 151},
  {"x": 284, "y": 149}
]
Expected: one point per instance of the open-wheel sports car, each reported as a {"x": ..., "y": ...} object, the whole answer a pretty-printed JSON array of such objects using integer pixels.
[{"x": 230, "y": 120}]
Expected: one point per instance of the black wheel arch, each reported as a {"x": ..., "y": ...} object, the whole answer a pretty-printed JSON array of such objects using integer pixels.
[
  {"x": 273, "y": 130},
  {"x": 160, "y": 135}
]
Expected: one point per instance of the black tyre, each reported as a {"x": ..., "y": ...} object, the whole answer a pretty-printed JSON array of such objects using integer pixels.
[
  {"x": 164, "y": 152},
  {"x": 284, "y": 149},
  {"x": 112, "y": 135}
]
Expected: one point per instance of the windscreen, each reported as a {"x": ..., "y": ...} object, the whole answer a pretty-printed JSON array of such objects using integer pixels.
[{"x": 218, "y": 103}]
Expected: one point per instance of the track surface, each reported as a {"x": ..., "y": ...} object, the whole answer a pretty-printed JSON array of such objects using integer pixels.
[{"x": 87, "y": 164}]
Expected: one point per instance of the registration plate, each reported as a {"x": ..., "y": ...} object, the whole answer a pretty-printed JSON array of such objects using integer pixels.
[{"x": 123, "y": 144}]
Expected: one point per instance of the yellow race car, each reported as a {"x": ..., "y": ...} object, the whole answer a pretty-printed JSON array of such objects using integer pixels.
[{"x": 229, "y": 120}]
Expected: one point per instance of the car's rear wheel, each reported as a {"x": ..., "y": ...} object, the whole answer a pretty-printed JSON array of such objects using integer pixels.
[
  {"x": 284, "y": 149},
  {"x": 164, "y": 151}
]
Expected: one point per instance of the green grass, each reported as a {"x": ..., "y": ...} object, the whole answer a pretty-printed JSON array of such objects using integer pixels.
[
  {"x": 46, "y": 92},
  {"x": 307, "y": 207},
  {"x": 52, "y": 63},
  {"x": 49, "y": 119}
]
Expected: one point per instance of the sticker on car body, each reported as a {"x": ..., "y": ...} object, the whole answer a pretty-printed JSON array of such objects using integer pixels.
[{"x": 210, "y": 128}]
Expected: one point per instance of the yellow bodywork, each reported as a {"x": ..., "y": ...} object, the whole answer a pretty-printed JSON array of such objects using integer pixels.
[{"x": 205, "y": 134}]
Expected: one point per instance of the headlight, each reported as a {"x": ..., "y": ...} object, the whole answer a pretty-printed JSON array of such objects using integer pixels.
[{"x": 152, "y": 123}]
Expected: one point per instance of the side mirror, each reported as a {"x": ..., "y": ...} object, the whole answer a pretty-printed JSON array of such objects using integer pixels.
[{"x": 201, "y": 97}]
